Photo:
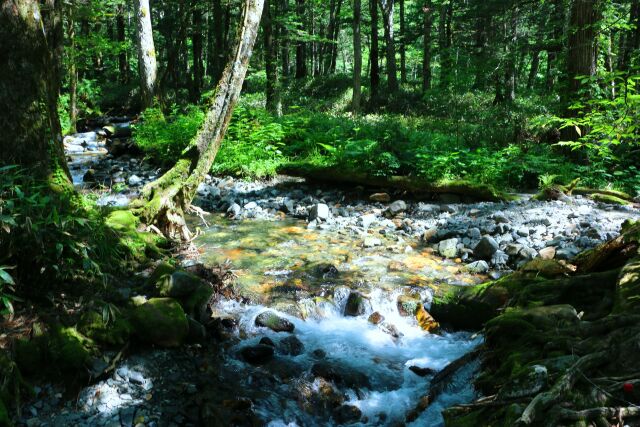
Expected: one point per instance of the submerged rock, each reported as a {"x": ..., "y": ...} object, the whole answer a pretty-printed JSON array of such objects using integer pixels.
[
  {"x": 291, "y": 345},
  {"x": 257, "y": 354},
  {"x": 341, "y": 375},
  {"x": 269, "y": 319}
]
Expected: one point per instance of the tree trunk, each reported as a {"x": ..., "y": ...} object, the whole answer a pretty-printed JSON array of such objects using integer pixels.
[
  {"x": 196, "y": 47},
  {"x": 146, "y": 53},
  {"x": 511, "y": 57},
  {"x": 165, "y": 200},
  {"x": 273, "y": 103},
  {"x": 218, "y": 46},
  {"x": 375, "y": 50},
  {"x": 333, "y": 60},
  {"x": 301, "y": 53},
  {"x": 403, "y": 47},
  {"x": 73, "y": 73},
  {"x": 357, "y": 57},
  {"x": 426, "y": 49},
  {"x": 123, "y": 64},
  {"x": 557, "y": 23},
  {"x": 583, "y": 46},
  {"x": 31, "y": 48},
  {"x": 533, "y": 71},
  {"x": 445, "y": 65},
  {"x": 284, "y": 39},
  {"x": 387, "y": 15},
  {"x": 630, "y": 40}
]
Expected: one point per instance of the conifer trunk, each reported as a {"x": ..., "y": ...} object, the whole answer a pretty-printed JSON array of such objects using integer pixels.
[
  {"x": 146, "y": 53},
  {"x": 357, "y": 57}
]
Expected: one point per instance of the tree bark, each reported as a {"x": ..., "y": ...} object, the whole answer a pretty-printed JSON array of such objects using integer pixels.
[
  {"x": 273, "y": 102},
  {"x": 196, "y": 48},
  {"x": 301, "y": 53},
  {"x": 357, "y": 57},
  {"x": 630, "y": 40},
  {"x": 73, "y": 73},
  {"x": 335, "y": 34},
  {"x": 387, "y": 14},
  {"x": 218, "y": 46},
  {"x": 403, "y": 47},
  {"x": 426, "y": 48},
  {"x": 146, "y": 53},
  {"x": 375, "y": 50},
  {"x": 123, "y": 64},
  {"x": 31, "y": 48},
  {"x": 583, "y": 46},
  {"x": 165, "y": 200},
  {"x": 283, "y": 36},
  {"x": 533, "y": 71}
]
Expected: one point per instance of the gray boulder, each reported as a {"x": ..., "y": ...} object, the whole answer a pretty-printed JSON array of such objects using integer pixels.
[{"x": 486, "y": 248}]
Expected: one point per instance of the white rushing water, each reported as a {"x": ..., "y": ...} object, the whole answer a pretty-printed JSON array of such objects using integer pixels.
[{"x": 356, "y": 345}]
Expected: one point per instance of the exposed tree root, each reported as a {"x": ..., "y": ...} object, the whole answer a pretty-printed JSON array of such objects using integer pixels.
[{"x": 594, "y": 413}]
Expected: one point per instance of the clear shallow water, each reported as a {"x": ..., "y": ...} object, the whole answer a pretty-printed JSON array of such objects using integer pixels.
[{"x": 308, "y": 274}]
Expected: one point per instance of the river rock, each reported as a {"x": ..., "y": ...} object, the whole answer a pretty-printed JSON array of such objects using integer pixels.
[
  {"x": 161, "y": 321},
  {"x": 426, "y": 320},
  {"x": 267, "y": 341},
  {"x": 234, "y": 210},
  {"x": 319, "y": 211},
  {"x": 367, "y": 220},
  {"x": 407, "y": 304},
  {"x": 390, "y": 329},
  {"x": 134, "y": 180},
  {"x": 375, "y": 318},
  {"x": 340, "y": 374},
  {"x": 547, "y": 253},
  {"x": 347, "y": 414},
  {"x": 257, "y": 354},
  {"x": 380, "y": 197},
  {"x": 357, "y": 304},
  {"x": 397, "y": 207},
  {"x": 421, "y": 372},
  {"x": 371, "y": 242},
  {"x": 178, "y": 284},
  {"x": 448, "y": 248},
  {"x": 485, "y": 248},
  {"x": 478, "y": 267},
  {"x": 291, "y": 345},
  {"x": 269, "y": 319}
]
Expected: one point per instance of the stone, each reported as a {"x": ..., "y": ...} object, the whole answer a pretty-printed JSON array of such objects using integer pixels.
[
  {"x": 341, "y": 375},
  {"x": 257, "y": 354},
  {"x": 499, "y": 259},
  {"x": 370, "y": 242},
  {"x": 375, "y": 318},
  {"x": 448, "y": 248},
  {"x": 429, "y": 234},
  {"x": 426, "y": 320},
  {"x": 161, "y": 321},
  {"x": 367, "y": 220},
  {"x": 547, "y": 253},
  {"x": 178, "y": 284},
  {"x": 397, "y": 266},
  {"x": 267, "y": 341},
  {"x": 478, "y": 267},
  {"x": 397, "y": 207},
  {"x": 357, "y": 304},
  {"x": 134, "y": 180},
  {"x": 380, "y": 197},
  {"x": 407, "y": 304},
  {"x": 319, "y": 211},
  {"x": 347, "y": 414},
  {"x": 527, "y": 253},
  {"x": 567, "y": 253},
  {"x": 422, "y": 372},
  {"x": 485, "y": 248},
  {"x": 500, "y": 218},
  {"x": 269, "y": 319},
  {"x": 390, "y": 329},
  {"x": 234, "y": 210},
  {"x": 291, "y": 345}
]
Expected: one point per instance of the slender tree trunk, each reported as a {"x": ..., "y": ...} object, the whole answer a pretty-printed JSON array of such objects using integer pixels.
[
  {"x": 375, "y": 50},
  {"x": 273, "y": 103},
  {"x": 146, "y": 53},
  {"x": 284, "y": 40},
  {"x": 630, "y": 39},
  {"x": 218, "y": 47},
  {"x": 357, "y": 57},
  {"x": 557, "y": 24},
  {"x": 301, "y": 57},
  {"x": 196, "y": 47},
  {"x": 445, "y": 65},
  {"x": 511, "y": 56},
  {"x": 165, "y": 200},
  {"x": 533, "y": 71},
  {"x": 426, "y": 48},
  {"x": 403, "y": 47},
  {"x": 123, "y": 64},
  {"x": 334, "y": 38},
  {"x": 31, "y": 51},
  {"x": 387, "y": 14},
  {"x": 73, "y": 72}
]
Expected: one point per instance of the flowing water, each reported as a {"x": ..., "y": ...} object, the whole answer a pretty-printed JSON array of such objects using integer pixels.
[{"x": 306, "y": 277}]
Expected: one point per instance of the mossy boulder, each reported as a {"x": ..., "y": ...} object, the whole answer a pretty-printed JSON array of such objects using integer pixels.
[
  {"x": 162, "y": 269},
  {"x": 68, "y": 350},
  {"x": 161, "y": 321},
  {"x": 178, "y": 284},
  {"x": 196, "y": 304},
  {"x": 357, "y": 304},
  {"x": 115, "y": 332},
  {"x": 548, "y": 268},
  {"x": 122, "y": 220},
  {"x": 269, "y": 319},
  {"x": 627, "y": 296}
]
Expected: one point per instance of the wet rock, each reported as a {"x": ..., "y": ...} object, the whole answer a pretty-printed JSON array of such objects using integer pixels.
[
  {"x": 390, "y": 329},
  {"x": 429, "y": 234},
  {"x": 527, "y": 253},
  {"x": 397, "y": 207},
  {"x": 291, "y": 345},
  {"x": 357, "y": 304},
  {"x": 197, "y": 331},
  {"x": 425, "y": 320},
  {"x": 422, "y": 372},
  {"x": 134, "y": 180},
  {"x": 547, "y": 253},
  {"x": 371, "y": 242},
  {"x": 407, "y": 304},
  {"x": 267, "y": 341},
  {"x": 375, "y": 318},
  {"x": 499, "y": 259},
  {"x": 319, "y": 211},
  {"x": 161, "y": 321},
  {"x": 178, "y": 284},
  {"x": 257, "y": 354},
  {"x": 340, "y": 374},
  {"x": 567, "y": 253},
  {"x": 485, "y": 248},
  {"x": 380, "y": 197},
  {"x": 271, "y": 320},
  {"x": 448, "y": 248},
  {"x": 319, "y": 353},
  {"x": 347, "y": 414}
]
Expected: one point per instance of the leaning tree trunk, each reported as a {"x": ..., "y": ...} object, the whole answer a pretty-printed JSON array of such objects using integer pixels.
[
  {"x": 164, "y": 201},
  {"x": 146, "y": 53},
  {"x": 30, "y": 45}
]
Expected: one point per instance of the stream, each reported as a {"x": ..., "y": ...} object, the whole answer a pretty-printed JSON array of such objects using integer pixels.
[{"x": 344, "y": 275}]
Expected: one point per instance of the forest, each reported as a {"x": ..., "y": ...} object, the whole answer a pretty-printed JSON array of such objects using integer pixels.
[{"x": 317, "y": 213}]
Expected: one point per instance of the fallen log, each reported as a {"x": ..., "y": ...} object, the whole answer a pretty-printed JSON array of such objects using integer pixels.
[{"x": 416, "y": 185}]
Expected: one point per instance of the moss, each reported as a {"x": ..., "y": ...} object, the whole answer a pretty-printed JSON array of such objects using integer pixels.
[
  {"x": 5, "y": 421},
  {"x": 69, "y": 350},
  {"x": 195, "y": 303},
  {"x": 161, "y": 269},
  {"x": 122, "y": 220},
  {"x": 115, "y": 332},
  {"x": 161, "y": 321},
  {"x": 179, "y": 284},
  {"x": 608, "y": 198},
  {"x": 627, "y": 296}
]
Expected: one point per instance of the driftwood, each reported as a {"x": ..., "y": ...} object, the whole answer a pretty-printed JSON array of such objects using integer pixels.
[{"x": 415, "y": 185}]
